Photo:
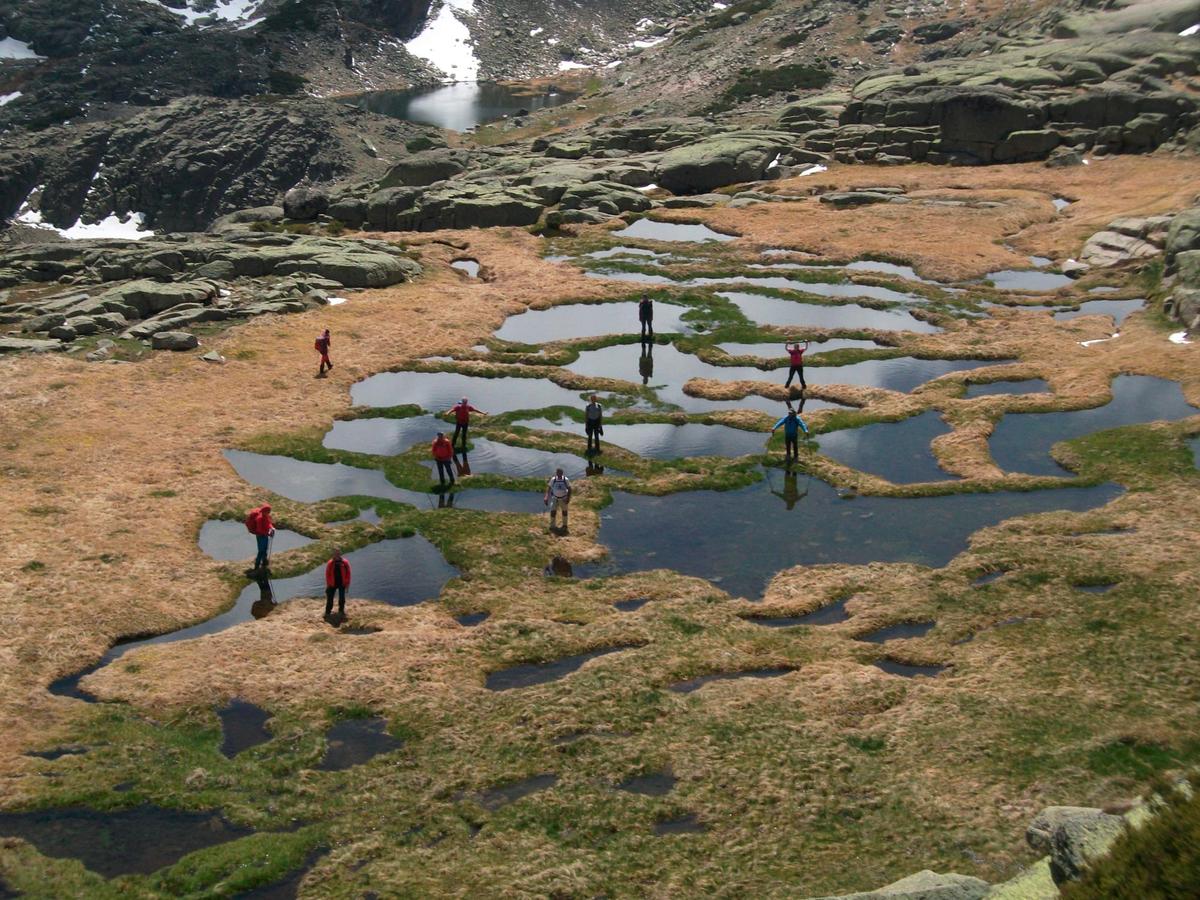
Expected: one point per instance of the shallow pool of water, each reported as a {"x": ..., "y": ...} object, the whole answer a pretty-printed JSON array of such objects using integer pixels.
[
  {"x": 836, "y": 290},
  {"x": 1021, "y": 442},
  {"x": 470, "y": 266},
  {"x": 457, "y": 107},
  {"x": 501, "y": 795},
  {"x": 230, "y": 541},
  {"x": 665, "y": 441},
  {"x": 437, "y": 392},
  {"x": 1028, "y": 280},
  {"x": 899, "y": 452},
  {"x": 899, "y": 632},
  {"x": 694, "y": 684},
  {"x": 529, "y": 674},
  {"x": 907, "y": 670},
  {"x": 519, "y": 462},
  {"x": 774, "y": 350},
  {"x": 1025, "y": 386},
  {"x": 1194, "y": 444},
  {"x": 766, "y": 310},
  {"x": 649, "y": 229},
  {"x": 139, "y": 840},
  {"x": 831, "y": 614},
  {"x": 654, "y": 784},
  {"x": 243, "y": 725},
  {"x": 859, "y": 265},
  {"x": 898, "y": 374},
  {"x": 309, "y": 482},
  {"x": 648, "y": 256},
  {"x": 668, "y": 369},
  {"x": 688, "y": 824},
  {"x": 580, "y": 320},
  {"x": 397, "y": 572},
  {"x": 353, "y": 742},
  {"x": 740, "y": 539},
  {"x": 1118, "y": 309},
  {"x": 384, "y": 437}
]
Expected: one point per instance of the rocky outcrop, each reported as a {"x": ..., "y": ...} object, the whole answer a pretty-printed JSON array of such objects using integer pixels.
[
  {"x": 1128, "y": 239},
  {"x": 926, "y": 885},
  {"x": 719, "y": 161},
  {"x": 174, "y": 340},
  {"x": 1182, "y": 274}
]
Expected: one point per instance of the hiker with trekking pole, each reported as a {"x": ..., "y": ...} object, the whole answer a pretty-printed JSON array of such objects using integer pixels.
[{"x": 259, "y": 524}]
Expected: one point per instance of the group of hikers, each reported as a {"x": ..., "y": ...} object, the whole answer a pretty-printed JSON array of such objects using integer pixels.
[{"x": 557, "y": 494}]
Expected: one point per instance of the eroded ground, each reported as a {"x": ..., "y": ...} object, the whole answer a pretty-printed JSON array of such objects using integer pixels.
[{"x": 832, "y": 775}]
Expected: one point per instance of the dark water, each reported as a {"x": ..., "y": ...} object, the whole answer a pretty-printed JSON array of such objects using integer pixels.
[
  {"x": 470, "y": 620},
  {"x": 654, "y": 784},
  {"x": 436, "y": 392},
  {"x": 647, "y": 256},
  {"x": 243, "y": 725},
  {"x": 688, "y": 824},
  {"x": 1027, "y": 386},
  {"x": 230, "y": 541},
  {"x": 669, "y": 369},
  {"x": 898, "y": 632},
  {"x": 1028, "y": 280},
  {"x": 631, "y": 605},
  {"x": 398, "y": 572},
  {"x": 353, "y": 742},
  {"x": 529, "y": 674},
  {"x": 488, "y": 456},
  {"x": 665, "y": 441},
  {"x": 287, "y": 888},
  {"x": 1118, "y": 309},
  {"x": 457, "y": 107},
  {"x": 694, "y": 684},
  {"x": 1096, "y": 588},
  {"x": 310, "y": 482},
  {"x": 905, "y": 670},
  {"x": 859, "y": 265},
  {"x": 741, "y": 539},
  {"x": 775, "y": 351},
  {"x": 900, "y": 374},
  {"x": 1021, "y": 442},
  {"x": 384, "y": 437},
  {"x": 470, "y": 266},
  {"x": 836, "y": 290},
  {"x": 897, "y": 451},
  {"x": 1194, "y": 444},
  {"x": 580, "y": 320},
  {"x": 651, "y": 230},
  {"x": 766, "y": 310},
  {"x": 140, "y": 840},
  {"x": 826, "y": 615},
  {"x": 503, "y": 794}
]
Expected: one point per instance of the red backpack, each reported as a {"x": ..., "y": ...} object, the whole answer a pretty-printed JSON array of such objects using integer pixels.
[{"x": 252, "y": 521}]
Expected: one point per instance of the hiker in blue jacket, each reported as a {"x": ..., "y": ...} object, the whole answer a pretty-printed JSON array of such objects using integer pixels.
[{"x": 792, "y": 426}]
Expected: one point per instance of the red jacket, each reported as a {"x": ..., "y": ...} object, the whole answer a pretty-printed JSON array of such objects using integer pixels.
[
  {"x": 796, "y": 352},
  {"x": 462, "y": 413},
  {"x": 442, "y": 449},
  {"x": 262, "y": 522},
  {"x": 322, "y": 345},
  {"x": 345, "y": 564}
]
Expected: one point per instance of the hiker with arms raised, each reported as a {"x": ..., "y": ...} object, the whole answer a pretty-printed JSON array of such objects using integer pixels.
[
  {"x": 462, "y": 420},
  {"x": 796, "y": 357},
  {"x": 792, "y": 425}
]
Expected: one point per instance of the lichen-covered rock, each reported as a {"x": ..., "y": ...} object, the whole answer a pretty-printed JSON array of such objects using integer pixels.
[
  {"x": 594, "y": 193},
  {"x": 716, "y": 162},
  {"x": 422, "y": 169},
  {"x": 1183, "y": 235},
  {"x": 150, "y": 297},
  {"x": 925, "y": 885},
  {"x": 1080, "y": 840},
  {"x": 305, "y": 203},
  {"x": 1111, "y": 248},
  {"x": 174, "y": 340},
  {"x": 1035, "y": 883},
  {"x": 9, "y": 344}
]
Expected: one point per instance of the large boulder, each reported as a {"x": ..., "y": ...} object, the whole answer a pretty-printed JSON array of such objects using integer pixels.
[
  {"x": 1111, "y": 248},
  {"x": 305, "y": 203},
  {"x": 1080, "y": 840},
  {"x": 352, "y": 268},
  {"x": 1183, "y": 235},
  {"x": 925, "y": 885},
  {"x": 9, "y": 344},
  {"x": 174, "y": 340},
  {"x": 716, "y": 162},
  {"x": 147, "y": 297},
  {"x": 237, "y": 221},
  {"x": 425, "y": 168},
  {"x": 595, "y": 193}
]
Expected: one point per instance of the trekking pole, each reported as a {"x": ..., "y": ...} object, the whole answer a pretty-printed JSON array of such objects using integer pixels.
[{"x": 270, "y": 548}]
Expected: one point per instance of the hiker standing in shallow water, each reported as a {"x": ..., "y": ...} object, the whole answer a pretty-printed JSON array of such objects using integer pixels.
[
  {"x": 558, "y": 493},
  {"x": 646, "y": 317},
  {"x": 593, "y": 422},
  {"x": 796, "y": 354},
  {"x": 337, "y": 579},
  {"x": 322, "y": 345},
  {"x": 792, "y": 426},
  {"x": 259, "y": 524},
  {"x": 443, "y": 456},
  {"x": 462, "y": 421}
]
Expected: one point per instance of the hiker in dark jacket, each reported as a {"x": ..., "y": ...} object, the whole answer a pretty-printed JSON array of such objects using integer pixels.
[
  {"x": 646, "y": 317},
  {"x": 337, "y": 580},
  {"x": 593, "y": 422}
]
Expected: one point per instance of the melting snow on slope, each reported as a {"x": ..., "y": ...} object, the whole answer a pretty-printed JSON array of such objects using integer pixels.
[
  {"x": 566, "y": 66},
  {"x": 129, "y": 228},
  {"x": 1188, "y": 32},
  {"x": 6, "y": 99},
  {"x": 225, "y": 10},
  {"x": 1179, "y": 337},
  {"x": 11, "y": 48},
  {"x": 445, "y": 42},
  {"x": 814, "y": 170}
]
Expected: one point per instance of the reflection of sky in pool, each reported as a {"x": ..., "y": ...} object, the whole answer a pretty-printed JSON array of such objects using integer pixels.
[
  {"x": 897, "y": 451},
  {"x": 579, "y": 320},
  {"x": 776, "y": 311},
  {"x": 665, "y": 441},
  {"x": 436, "y": 392}
]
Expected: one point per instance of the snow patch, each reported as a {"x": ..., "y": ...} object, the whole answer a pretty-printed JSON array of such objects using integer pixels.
[
  {"x": 814, "y": 170},
  {"x": 6, "y": 99},
  {"x": 553, "y": 42},
  {"x": 1188, "y": 32},
  {"x": 535, "y": 32},
  {"x": 775, "y": 162},
  {"x": 1179, "y": 337},
  {"x": 445, "y": 42},
  {"x": 1100, "y": 340},
  {"x": 613, "y": 64},
  {"x": 567, "y": 66},
  {"x": 129, "y": 228},
  {"x": 224, "y": 11},
  {"x": 11, "y": 48},
  {"x": 719, "y": 5},
  {"x": 649, "y": 187},
  {"x": 652, "y": 42},
  {"x": 336, "y": 301}
]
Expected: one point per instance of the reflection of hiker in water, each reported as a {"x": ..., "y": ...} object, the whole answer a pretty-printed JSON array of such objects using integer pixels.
[
  {"x": 558, "y": 494},
  {"x": 321, "y": 344},
  {"x": 796, "y": 355},
  {"x": 558, "y": 567},
  {"x": 337, "y": 579},
  {"x": 791, "y": 492},
  {"x": 646, "y": 317},
  {"x": 593, "y": 469},
  {"x": 259, "y": 524},
  {"x": 593, "y": 422},
  {"x": 462, "y": 420},
  {"x": 262, "y": 607},
  {"x": 792, "y": 426},
  {"x": 646, "y": 362},
  {"x": 443, "y": 454}
]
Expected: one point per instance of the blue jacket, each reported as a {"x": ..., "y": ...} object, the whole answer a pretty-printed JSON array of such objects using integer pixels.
[{"x": 791, "y": 423}]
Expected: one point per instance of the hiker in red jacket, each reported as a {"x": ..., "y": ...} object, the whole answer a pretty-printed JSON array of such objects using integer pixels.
[
  {"x": 462, "y": 420},
  {"x": 322, "y": 344},
  {"x": 796, "y": 357},
  {"x": 259, "y": 524},
  {"x": 337, "y": 578},
  {"x": 443, "y": 454}
]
